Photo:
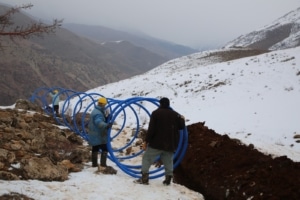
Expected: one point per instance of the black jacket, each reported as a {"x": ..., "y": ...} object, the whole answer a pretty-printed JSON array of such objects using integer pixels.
[{"x": 163, "y": 130}]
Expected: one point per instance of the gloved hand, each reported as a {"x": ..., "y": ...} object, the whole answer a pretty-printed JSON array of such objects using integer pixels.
[{"x": 109, "y": 125}]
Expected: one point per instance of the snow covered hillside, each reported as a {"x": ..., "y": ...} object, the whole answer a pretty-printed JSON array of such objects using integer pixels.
[{"x": 250, "y": 99}]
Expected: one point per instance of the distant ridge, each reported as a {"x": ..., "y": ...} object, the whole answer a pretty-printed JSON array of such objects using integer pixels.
[
  {"x": 102, "y": 34},
  {"x": 283, "y": 33}
]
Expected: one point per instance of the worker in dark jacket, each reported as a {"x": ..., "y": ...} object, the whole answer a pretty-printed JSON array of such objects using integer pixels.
[
  {"x": 161, "y": 140},
  {"x": 98, "y": 137}
]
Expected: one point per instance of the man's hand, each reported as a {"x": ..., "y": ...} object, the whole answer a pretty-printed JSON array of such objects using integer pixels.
[{"x": 109, "y": 125}]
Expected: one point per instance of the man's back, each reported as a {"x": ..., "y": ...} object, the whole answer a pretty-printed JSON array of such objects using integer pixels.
[{"x": 163, "y": 130}]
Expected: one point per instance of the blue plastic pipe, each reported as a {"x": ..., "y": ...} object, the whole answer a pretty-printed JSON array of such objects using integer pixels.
[{"x": 74, "y": 115}]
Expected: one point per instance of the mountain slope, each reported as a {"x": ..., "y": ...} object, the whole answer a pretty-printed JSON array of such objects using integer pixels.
[
  {"x": 283, "y": 33},
  {"x": 67, "y": 60},
  {"x": 102, "y": 34}
]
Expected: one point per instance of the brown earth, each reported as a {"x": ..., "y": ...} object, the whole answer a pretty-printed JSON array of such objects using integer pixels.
[{"x": 224, "y": 168}]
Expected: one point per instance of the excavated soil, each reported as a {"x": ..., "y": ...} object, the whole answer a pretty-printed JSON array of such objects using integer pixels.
[{"x": 224, "y": 168}]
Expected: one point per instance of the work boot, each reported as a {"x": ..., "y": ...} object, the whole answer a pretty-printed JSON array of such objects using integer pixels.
[
  {"x": 143, "y": 180},
  {"x": 94, "y": 159},
  {"x": 101, "y": 169},
  {"x": 103, "y": 159},
  {"x": 167, "y": 180}
]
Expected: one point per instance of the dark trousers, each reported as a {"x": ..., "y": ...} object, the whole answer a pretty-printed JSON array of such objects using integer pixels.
[
  {"x": 95, "y": 150},
  {"x": 56, "y": 107}
]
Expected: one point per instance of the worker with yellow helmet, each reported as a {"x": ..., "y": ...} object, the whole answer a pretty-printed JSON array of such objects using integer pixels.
[{"x": 98, "y": 127}]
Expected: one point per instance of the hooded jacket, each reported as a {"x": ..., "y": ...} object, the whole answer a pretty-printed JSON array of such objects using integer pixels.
[
  {"x": 97, "y": 127},
  {"x": 163, "y": 129}
]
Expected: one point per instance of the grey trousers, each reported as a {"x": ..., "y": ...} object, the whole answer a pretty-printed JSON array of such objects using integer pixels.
[{"x": 151, "y": 154}]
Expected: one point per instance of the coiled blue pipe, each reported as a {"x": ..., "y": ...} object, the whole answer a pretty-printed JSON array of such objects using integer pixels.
[{"x": 77, "y": 106}]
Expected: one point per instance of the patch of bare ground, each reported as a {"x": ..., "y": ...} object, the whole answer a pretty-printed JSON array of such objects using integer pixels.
[{"x": 223, "y": 168}]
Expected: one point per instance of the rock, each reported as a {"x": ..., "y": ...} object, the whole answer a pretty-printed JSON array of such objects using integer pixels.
[
  {"x": 27, "y": 105},
  {"x": 41, "y": 149},
  {"x": 4, "y": 175},
  {"x": 7, "y": 156},
  {"x": 43, "y": 169}
]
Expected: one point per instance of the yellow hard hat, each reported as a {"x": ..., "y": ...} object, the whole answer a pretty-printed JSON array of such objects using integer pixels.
[
  {"x": 55, "y": 91},
  {"x": 102, "y": 100}
]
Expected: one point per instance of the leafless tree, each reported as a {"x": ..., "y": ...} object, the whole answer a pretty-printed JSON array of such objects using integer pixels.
[{"x": 8, "y": 28}]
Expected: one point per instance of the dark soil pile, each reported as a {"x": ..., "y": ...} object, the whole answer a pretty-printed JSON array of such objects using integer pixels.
[{"x": 222, "y": 168}]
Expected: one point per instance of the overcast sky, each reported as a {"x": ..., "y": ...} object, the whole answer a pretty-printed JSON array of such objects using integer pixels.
[{"x": 195, "y": 23}]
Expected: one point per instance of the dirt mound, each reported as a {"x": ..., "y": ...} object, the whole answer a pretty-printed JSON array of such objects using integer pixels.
[{"x": 224, "y": 168}]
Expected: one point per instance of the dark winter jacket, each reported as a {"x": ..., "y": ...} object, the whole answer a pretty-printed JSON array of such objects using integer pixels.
[
  {"x": 97, "y": 127},
  {"x": 163, "y": 130}
]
